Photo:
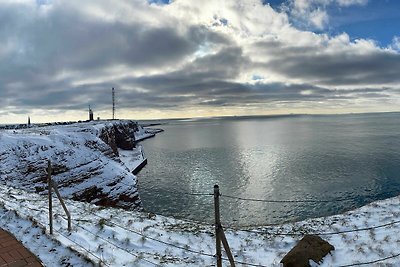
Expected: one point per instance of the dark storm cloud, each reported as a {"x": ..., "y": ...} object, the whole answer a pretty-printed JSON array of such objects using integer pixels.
[
  {"x": 198, "y": 76},
  {"x": 167, "y": 90},
  {"x": 350, "y": 67},
  {"x": 43, "y": 46},
  {"x": 67, "y": 41}
]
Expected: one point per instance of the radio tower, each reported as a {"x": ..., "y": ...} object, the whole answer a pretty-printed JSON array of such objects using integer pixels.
[{"x": 113, "y": 103}]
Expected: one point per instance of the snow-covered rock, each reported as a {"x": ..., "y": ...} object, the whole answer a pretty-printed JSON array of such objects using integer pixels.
[{"x": 84, "y": 157}]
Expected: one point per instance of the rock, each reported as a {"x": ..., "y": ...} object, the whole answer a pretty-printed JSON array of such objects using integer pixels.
[
  {"x": 310, "y": 247},
  {"x": 119, "y": 135},
  {"x": 151, "y": 215},
  {"x": 84, "y": 159},
  {"x": 108, "y": 136},
  {"x": 122, "y": 138}
]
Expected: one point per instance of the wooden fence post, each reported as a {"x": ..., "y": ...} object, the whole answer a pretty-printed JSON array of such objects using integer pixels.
[
  {"x": 219, "y": 233},
  {"x": 49, "y": 187},
  {"x": 54, "y": 184},
  {"x": 217, "y": 226},
  {"x": 227, "y": 248}
]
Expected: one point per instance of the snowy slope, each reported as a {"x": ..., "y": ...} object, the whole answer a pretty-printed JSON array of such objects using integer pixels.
[
  {"x": 115, "y": 237},
  {"x": 144, "y": 133},
  {"x": 85, "y": 167}
]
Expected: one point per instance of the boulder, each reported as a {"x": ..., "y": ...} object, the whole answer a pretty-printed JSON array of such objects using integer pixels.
[{"x": 310, "y": 247}]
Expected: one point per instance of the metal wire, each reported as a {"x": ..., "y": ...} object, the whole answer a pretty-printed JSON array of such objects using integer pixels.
[
  {"x": 85, "y": 249},
  {"x": 289, "y": 201},
  {"x": 319, "y": 233},
  {"x": 155, "y": 239},
  {"x": 119, "y": 247},
  {"x": 371, "y": 262}
]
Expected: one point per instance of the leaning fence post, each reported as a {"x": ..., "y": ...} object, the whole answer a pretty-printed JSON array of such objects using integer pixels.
[
  {"x": 54, "y": 185},
  {"x": 226, "y": 247},
  {"x": 217, "y": 226},
  {"x": 49, "y": 186}
]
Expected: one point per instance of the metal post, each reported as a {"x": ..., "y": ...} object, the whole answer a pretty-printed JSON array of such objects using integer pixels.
[
  {"x": 49, "y": 186},
  {"x": 217, "y": 226}
]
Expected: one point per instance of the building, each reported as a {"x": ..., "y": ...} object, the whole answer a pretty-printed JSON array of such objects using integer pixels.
[{"x": 90, "y": 114}]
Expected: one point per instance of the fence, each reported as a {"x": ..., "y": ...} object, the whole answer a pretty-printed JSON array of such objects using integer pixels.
[{"x": 220, "y": 238}]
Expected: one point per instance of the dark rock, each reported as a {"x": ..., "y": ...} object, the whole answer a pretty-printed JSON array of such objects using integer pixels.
[
  {"x": 108, "y": 137},
  {"x": 122, "y": 139},
  {"x": 310, "y": 247},
  {"x": 119, "y": 136},
  {"x": 151, "y": 215}
]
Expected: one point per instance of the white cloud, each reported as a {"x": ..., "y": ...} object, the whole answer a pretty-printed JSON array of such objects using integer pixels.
[
  {"x": 319, "y": 18},
  {"x": 313, "y": 13},
  {"x": 395, "y": 43},
  {"x": 352, "y": 2}
]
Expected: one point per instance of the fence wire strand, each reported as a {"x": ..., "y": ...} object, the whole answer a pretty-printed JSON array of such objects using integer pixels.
[
  {"x": 371, "y": 262},
  {"x": 82, "y": 247},
  {"x": 119, "y": 247},
  {"x": 317, "y": 233},
  {"x": 289, "y": 201},
  {"x": 155, "y": 239}
]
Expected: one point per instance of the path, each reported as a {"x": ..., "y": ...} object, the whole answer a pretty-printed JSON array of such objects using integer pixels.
[{"x": 14, "y": 254}]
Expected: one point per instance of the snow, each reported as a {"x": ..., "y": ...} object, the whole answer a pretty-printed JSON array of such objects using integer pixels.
[
  {"x": 85, "y": 166},
  {"x": 132, "y": 158},
  {"x": 118, "y": 237},
  {"x": 143, "y": 133}
]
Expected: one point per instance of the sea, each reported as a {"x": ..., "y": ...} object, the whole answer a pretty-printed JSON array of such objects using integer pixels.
[{"x": 271, "y": 169}]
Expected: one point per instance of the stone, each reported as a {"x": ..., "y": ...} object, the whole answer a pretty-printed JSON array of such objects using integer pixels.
[
  {"x": 122, "y": 138},
  {"x": 310, "y": 247}
]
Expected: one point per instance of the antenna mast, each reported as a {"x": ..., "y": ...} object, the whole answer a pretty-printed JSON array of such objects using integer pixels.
[{"x": 113, "y": 103}]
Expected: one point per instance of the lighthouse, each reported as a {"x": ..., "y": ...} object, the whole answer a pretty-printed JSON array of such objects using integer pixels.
[{"x": 90, "y": 114}]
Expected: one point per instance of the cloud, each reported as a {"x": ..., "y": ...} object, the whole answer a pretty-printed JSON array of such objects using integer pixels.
[
  {"x": 395, "y": 43},
  {"x": 63, "y": 55},
  {"x": 312, "y": 14}
]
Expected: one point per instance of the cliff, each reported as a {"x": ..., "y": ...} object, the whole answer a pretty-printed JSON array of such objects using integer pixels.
[{"x": 85, "y": 161}]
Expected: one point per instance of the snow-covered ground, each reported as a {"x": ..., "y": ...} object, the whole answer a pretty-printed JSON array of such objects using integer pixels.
[
  {"x": 132, "y": 158},
  {"x": 143, "y": 133},
  {"x": 115, "y": 237}
]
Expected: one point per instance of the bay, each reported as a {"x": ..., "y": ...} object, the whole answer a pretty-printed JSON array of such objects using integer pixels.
[{"x": 353, "y": 158}]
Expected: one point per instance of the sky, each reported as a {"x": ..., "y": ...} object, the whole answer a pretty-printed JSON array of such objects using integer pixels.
[{"x": 184, "y": 58}]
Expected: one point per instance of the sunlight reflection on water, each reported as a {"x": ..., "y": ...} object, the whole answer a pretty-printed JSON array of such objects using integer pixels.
[{"x": 301, "y": 157}]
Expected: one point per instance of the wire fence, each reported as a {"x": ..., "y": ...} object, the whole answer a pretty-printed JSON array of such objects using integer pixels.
[
  {"x": 119, "y": 247},
  {"x": 315, "y": 233},
  {"x": 174, "y": 245},
  {"x": 318, "y": 233},
  {"x": 162, "y": 242},
  {"x": 372, "y": 262},
  {"x": 209, "y": 255},
  {"x": 155, "y": 239},
  {"x": 82, "y": 247}
]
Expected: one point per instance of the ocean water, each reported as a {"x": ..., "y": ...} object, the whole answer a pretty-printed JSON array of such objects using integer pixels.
[{"x": 355, "y": 157}]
